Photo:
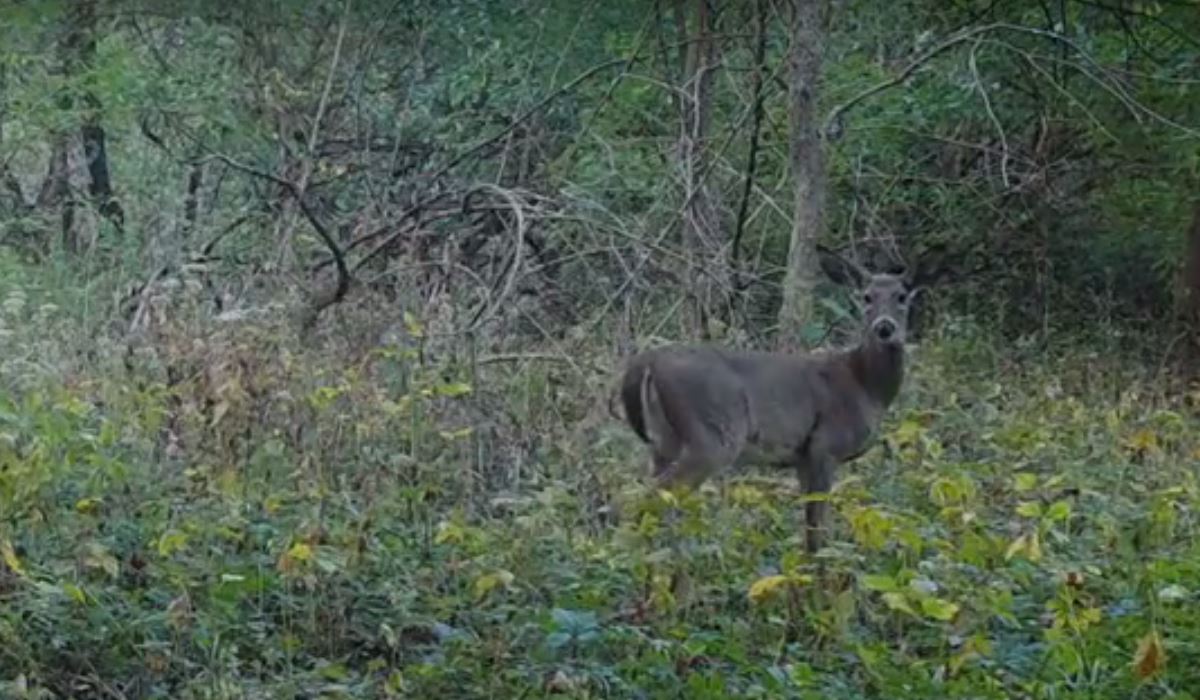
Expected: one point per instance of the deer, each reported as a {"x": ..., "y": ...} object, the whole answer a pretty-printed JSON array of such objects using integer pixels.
[{"x": 703, "y": 408}]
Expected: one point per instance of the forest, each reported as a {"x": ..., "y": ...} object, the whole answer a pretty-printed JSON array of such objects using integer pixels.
[{"x": 313, "y": 318}]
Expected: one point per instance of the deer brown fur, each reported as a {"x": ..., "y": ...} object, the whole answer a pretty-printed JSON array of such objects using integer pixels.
[{"x": 702, "y": 408}]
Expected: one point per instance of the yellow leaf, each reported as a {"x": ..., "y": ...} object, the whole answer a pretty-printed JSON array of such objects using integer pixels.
[
  {"x": 450, "y": 533},
  {"x": 909, "y": 432},
  {"x": 746, "y": 495},
  {"x": 1018, "y": 545},
  {"x": 453, "y": 389},
  {"x": 1144, "y": 440},
  {"x": 766, "y": 586},
  {"x": 301, "y": 552},
  {"x": 75, "y": 593},
  {"x": 488, "y": 582},
  {"x": 88, "y": 506},
  {"x": 454, "y": 435},
  {"x": 1150, "y": 657},
  {"x": 10, "y": 558}
]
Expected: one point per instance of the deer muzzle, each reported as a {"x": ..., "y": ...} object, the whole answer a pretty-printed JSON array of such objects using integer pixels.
[{"x": 884, "y": 328}]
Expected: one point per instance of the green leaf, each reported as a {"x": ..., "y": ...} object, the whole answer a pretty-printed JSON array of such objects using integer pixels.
[
  {"x": 939, "y": 609},
  {"x": 1024, "y": 481},
  {"x": 454, "y": 389},
  {"x": 1030, "y": 509},
  {"x": 880, "y": 582},
  {"x": 488, "y": 582},
  {"x": 1059, "y": 511},
  {"x": 171, "y": 541},
  {"x": 896, "y": 601}
]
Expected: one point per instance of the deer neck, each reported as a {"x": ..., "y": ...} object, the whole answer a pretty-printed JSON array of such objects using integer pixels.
[{"x": 879, "y": 368}]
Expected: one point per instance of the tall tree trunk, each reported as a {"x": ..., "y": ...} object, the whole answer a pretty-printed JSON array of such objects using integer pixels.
[
  {"x": 807, "y": 162},
  {"x": 95, "y": 151},
  {"x": 76, "y": 50},
  {"x": 8, "y": 180},
  {"x": 701, "y": 231}
]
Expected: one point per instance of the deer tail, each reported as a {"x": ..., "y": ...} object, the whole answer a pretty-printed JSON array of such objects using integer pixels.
[{"x": 655, "y": 426}]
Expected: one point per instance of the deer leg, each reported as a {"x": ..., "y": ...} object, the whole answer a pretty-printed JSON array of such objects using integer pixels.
[
  {"x": 818, "y": 480},
  {"x": 696, "y": 463}
]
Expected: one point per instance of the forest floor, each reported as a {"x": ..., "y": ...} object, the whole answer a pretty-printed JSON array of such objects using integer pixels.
[{"x": 277, "y": 523}]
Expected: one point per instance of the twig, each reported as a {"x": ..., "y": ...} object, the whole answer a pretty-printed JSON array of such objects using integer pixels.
[
  {"x": 339, "y": 259},
  {"x": 541, "y": 104},
  {"x": 835, "y": 115},
  {"x": 756, "y": 99},
  {"x": 833, "y": 121},
  {"x": 987, "y": 105},
  {"x": 486, "y": 311}
]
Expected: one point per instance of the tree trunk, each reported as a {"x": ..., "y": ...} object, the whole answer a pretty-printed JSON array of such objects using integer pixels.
[
  {"x": 8, "y": 181},
  {"x": 807, "y": 162},
  {"x": 191, "y": 197},
  {"x": 701, "y": 233},
  {"x": 1190, "y": 280},
  {"x": 95, "y": 151}
]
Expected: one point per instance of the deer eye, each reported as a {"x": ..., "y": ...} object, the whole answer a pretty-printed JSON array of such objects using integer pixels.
[
  {"x": 867, "y": 298},
  {"x": 903, "y": 298}
]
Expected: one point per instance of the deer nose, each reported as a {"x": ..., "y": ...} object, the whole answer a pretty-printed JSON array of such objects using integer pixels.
[{"x": 885, "y": 329}]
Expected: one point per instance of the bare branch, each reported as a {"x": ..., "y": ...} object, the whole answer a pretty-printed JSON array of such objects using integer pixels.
[
  {"x": 1136, "y": 109},
  {"x": 987, "y": 105}
]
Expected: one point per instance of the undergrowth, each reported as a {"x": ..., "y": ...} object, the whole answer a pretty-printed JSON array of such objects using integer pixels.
[{"x": 233, "y": 513}]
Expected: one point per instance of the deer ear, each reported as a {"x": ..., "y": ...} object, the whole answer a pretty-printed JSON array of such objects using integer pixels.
[{"x": 840, "y": 270}]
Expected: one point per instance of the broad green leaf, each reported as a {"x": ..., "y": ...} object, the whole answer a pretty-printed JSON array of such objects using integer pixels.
[
  {"x": 880, "y": 582},
  {"x": 939, "y": 609},
  {"x": 1059, "y": 511},
  {"x": 1030, "y": 509},
  {"x": 1024, "y": 481},
  {"x": 171, "y": 541},
  {"x": 896, "y": 601}
]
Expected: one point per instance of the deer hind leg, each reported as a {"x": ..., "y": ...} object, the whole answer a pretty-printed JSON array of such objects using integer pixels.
[{"x": 696, "y": 463}]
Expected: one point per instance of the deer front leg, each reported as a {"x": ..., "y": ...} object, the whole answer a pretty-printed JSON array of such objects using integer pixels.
[{"x": 818, "y": 480}]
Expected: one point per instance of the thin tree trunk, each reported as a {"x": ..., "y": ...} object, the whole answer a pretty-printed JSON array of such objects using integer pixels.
[
  {"x": 1190, "y": 279},
  {"x": 191, "y": 197},
  {"x": 756, "y": 95},
  {"x": 807, "y": 161},
  {"x": 95, "y": 151},
  {"x": 701, "y": 232},
  {"x": 8, "y": 180}
]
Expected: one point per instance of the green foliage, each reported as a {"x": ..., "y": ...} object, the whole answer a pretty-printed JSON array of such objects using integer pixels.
[
  {"x": 1035, "y": 538},
  {"x": 211, "y": 508}
]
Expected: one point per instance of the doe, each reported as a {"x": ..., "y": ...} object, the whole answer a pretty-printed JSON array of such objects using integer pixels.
[{"x": 702, "y": 408}]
